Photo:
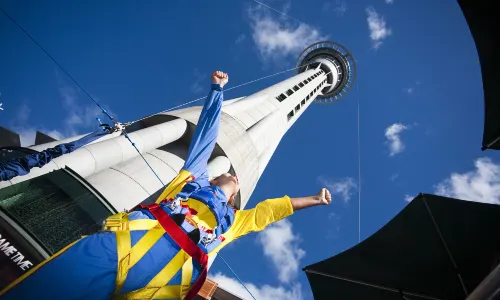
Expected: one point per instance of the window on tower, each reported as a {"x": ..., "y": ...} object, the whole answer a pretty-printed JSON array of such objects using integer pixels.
[
  {"x": 290, "y": 115},
  {"x": 301, "y": 84},
  {"x": 311, "y": 94},
  {"x": 305, "y": 81},
  {"x": 303, "y": 102},
  {"x": 281, "y": 97},
  {"x": 307, "y": 98},
  {"x": 289, "y": 92},
  {"x": 295, "y": 88},
  {"x": 297, "y": 108}
]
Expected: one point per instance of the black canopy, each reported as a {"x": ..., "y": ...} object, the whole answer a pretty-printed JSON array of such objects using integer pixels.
[
  {"x": 484, "y": 21},
  {"x": 435, "y": 248}
]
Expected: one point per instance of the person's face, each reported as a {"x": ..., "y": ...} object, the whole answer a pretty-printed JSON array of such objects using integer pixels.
[{"x": 229, "y": 183}]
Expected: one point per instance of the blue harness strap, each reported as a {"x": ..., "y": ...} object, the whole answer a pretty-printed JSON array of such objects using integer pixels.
[{"x": 189, "y": 188}]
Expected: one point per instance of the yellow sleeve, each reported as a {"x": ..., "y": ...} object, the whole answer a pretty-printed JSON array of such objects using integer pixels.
[
  {"x": 176, "y": 185},
  {"x": 258, "y": 218}
]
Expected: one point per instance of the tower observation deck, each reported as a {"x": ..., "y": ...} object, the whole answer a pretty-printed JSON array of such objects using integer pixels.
[
  {"x": 336, "y": 61},
  {"x": 76, "y": 191}
]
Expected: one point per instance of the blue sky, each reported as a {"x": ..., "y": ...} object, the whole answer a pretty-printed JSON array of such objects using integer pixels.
[{"x": 419, "y": 87}]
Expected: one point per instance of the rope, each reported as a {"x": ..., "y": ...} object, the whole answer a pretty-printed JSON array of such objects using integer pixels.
[
  {"x": 358, "y": 130},
  {"x": 359, "y": 172},
  {"x": 60, "y": 67},
  {"x": 126, "y": 124},
  {"x": 204, "y": 97},
  {"x": 280, "y": 12},
  {"x": 78, "y": 85},
  {"x": 124, "y": 130},
  {"x": 234, "y": 273},
  {"x": 133, "y": 144}
]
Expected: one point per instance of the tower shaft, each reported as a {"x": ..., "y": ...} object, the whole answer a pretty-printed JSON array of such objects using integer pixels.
[
  {"x": 53, "y": 206},
  {"x": 251, "y": 129}
]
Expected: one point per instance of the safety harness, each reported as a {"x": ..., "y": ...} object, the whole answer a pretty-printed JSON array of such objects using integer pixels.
[{"x": 128, "y": 256}]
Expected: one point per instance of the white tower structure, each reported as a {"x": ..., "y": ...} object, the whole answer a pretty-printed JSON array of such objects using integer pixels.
[{"x": 112, "y": 171}]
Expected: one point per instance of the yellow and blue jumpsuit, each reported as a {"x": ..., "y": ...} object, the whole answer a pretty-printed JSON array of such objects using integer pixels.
[{"x": 141, "y": 255}]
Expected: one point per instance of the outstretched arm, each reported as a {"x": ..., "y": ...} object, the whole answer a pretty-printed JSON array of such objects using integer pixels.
[
  {"x": 322, "y": 198},
  {"x": 273, "y": 210},
  {"x": 207, "y": 129}
]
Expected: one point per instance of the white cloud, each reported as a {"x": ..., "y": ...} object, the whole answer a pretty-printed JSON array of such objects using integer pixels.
[
  {"x": 265, "y": 292},
  {"x": 197, "y": 87},
  {"x": 281, "y": 245},
  {"x": 333, "y": 231},
  {"x": 278, "y": 38},
  {"x": 480, "y": 185},
  {"x": 408, "y": 90},
  {"x": 408, "y": 198},
  {"x": 394, "y": 177},
  {"x": 240, "y": 39},
  {"x": 338, "y": 7},
  {"x": 392, "y": 133},
  {"x": 343, "y": 187},
  {"x": 27, "y": 132},
  {"x": 389, "y": 1},
  {"x": 377, "y": 26},
  {"x": 333, "y": 216},
  {"x": 79, "y": 118}
]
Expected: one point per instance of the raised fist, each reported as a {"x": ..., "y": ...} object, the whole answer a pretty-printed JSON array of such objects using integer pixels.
[
  {"x": 324, "y": 196},
  {"x": 220, "y": 78}
]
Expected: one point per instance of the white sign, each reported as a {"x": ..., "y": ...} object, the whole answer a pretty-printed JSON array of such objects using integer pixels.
[{"x": 16, "y": 256}]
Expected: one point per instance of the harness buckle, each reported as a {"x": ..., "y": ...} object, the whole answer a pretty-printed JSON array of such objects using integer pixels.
[
  {"x": 172, "y": 205},
  {"x": 115, "y": 222},
  {"x": 209, "y": 238}
]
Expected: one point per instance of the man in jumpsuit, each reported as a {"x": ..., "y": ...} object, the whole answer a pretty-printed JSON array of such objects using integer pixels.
[{"x": 160, "y": 251}]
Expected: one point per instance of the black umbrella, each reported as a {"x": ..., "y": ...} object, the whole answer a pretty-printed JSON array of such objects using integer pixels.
[
  {"x": 484, "y": 20},
  {"x": 435, "y": 248}
]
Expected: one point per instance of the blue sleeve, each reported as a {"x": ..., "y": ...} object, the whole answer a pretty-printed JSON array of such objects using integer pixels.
[
  {"x": 22, "y": 166},
  {"x": 205, "y": 135}
]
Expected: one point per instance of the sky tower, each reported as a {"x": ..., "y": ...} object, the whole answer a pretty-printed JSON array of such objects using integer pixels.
[{"x": 79, "y": 190}]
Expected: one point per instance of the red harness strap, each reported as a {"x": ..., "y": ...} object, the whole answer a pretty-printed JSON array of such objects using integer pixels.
[{"x": 182, "y": 239}]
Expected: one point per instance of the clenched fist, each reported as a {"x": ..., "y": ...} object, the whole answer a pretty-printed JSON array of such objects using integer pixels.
[
  {"x": 324, "y": 196},
  {"x": 220, "y": 78}
]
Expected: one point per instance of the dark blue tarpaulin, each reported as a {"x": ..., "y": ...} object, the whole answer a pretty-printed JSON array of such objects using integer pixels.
[{"x": 22, "y": 165}]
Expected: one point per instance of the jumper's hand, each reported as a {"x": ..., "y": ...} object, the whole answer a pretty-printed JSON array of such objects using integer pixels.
[
  {"x": 220, "y": 78},
  {"x": 324, "y": 196}
]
